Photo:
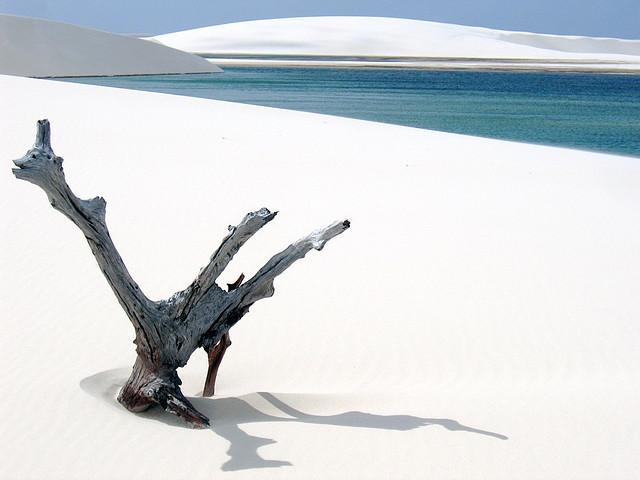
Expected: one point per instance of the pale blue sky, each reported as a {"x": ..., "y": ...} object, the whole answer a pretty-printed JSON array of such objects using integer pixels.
[{"x": 614, "y": 18}]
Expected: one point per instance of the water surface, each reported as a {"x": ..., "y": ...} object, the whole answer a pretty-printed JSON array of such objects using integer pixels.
[{"x": 587, "y": 111}]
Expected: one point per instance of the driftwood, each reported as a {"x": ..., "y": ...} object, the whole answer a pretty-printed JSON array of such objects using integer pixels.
[{"x": 167, "y": 332}]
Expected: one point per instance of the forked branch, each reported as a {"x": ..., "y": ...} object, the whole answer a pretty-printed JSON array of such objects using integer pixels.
[
  {"x": 252, "y": 222},
  {"x": 168, "y": 331}
]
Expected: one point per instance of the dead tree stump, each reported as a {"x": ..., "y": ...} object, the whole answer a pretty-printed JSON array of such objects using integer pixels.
[{"x": 167, "y": 332}]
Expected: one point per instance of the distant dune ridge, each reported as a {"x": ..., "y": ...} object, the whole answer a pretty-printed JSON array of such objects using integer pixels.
[
  {"x": 40, "y": 48},
  {"x": 420, "y": 41}
]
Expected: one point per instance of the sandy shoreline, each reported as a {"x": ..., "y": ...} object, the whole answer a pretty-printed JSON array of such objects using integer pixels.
[{"x": 470, "y": 64}]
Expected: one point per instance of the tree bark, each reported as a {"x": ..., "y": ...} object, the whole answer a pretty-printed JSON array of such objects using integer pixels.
[
  {"x": 167, "y": 332},
  {"x": 215, "y": 359}
]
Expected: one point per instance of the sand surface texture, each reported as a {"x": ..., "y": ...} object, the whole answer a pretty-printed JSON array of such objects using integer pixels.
[{"x": 479, "y": 320}]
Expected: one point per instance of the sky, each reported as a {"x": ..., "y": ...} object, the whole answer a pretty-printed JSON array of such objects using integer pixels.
[{"x": 608, "y": 18}]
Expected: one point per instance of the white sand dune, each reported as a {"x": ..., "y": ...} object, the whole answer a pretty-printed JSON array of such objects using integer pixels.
[
  {"x": 405, "y": 42},
  {"x": 41, "y": 48},
  {"x": 479, "y": 320}
]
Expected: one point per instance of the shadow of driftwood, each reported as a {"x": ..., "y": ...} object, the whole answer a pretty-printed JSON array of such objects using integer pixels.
[{"x": 228, "y": 414}]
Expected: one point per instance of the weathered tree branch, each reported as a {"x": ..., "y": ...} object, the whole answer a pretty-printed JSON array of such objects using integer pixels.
[
  {"x": 43, "y": 168},
  {"x": 250, "y": 224},
  {"x": 261, "y": 284},
  {"x": 168, "y": 331},
  {"x": 216, "y": 352},
  {"x": 215, "y": 356}
]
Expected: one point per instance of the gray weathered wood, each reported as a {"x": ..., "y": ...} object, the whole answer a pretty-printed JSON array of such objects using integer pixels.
[{"x": 167, "y": 332}]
